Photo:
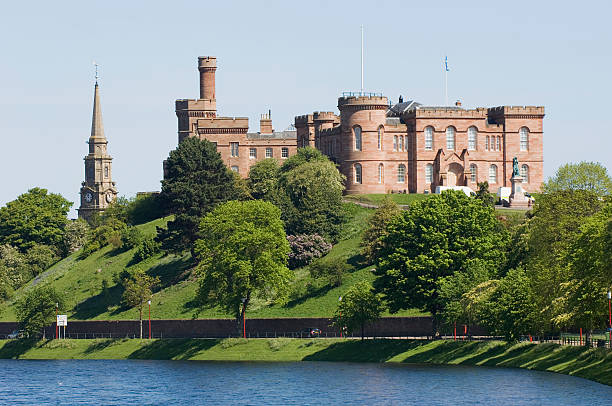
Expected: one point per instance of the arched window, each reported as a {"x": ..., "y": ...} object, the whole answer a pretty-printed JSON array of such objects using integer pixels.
[
  {"x": 381, "y": 173},
  {"x": 492, "y": 174},
  {"x": 429, "y": 173},
  {"x": 524, "y": 137},
  {"x": 429, "y": 138},
  {"x": 357, "y": 131},
  {"x": 395, "y": 143},
  {"x": 487, "y": 143},
  {"x": 357, "y": 173},
  {"x": 381, "y": 132},
  {"x": 472, "y": 138},
  {"x": 450, "y": 138},
  {"x": 525, "y": 173},
  {"x": 473, "y": 173},
  {"x": 401, "y": 173}
]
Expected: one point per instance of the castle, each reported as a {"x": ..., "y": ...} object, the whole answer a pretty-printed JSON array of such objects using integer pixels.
[{"x": 382, "y": 147}]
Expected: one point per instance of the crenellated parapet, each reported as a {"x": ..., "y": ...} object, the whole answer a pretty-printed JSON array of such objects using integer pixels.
[
  {"x": 525, "y": 112},
  {"x": 363, "y": 103}
]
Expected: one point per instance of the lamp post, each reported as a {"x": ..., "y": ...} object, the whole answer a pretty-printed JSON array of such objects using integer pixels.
[
  {"x": 56, "y": 327},
  {"x": 610, "y": 315},
  {"x": 340, "y": 300},
  {"x": 244, "y": 317},
  {"x": 149, "y": 319}
]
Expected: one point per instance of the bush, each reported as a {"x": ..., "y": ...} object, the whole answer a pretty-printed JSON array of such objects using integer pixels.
[
  {"x": 147, "y": 248},
  {"x": 305, "y": 248},
  {"x": 75, "y": 235},
  {"x": 131, "y": 237},
  {"x": 145, "y": 207},
  {"x": 332, "y": 270}
]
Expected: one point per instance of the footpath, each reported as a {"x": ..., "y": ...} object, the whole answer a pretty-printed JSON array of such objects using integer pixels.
[{"x": 590, "y": 363}]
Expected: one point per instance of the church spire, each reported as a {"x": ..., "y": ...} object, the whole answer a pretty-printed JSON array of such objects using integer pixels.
[{"x": 97, "y": 128}]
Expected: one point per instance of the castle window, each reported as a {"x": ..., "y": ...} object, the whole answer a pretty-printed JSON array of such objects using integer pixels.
[
  {"x": 473, "y": 173},
  {"x": 357, "y": 173},
  {"x": 492, "y": 174},
  {"x": 285, "y": 152},
  {"x": 525, "y": 173},
  {"x": 268, "y": 152},
  {"x": 428, "y": 138},
  {"x": 253, "y": 153},
  {"x": 395, "y": 143},
  {"x": 401, "y": 143},
  {"x": 487, "y": 143},
  {"x": 450, "y": 138},
  {"x": 472, "y": 138},
  {"x": 357, "y": 131},
  {"x": 401, "y": 173},
  {"x": 233, "y": 149},
  {"x": 524, "y": 137},
  {"x": 429, "y": 173},
  {"x": 381, "y": 131},
  {"x": 497, "y": 143},
  {"x": 381, "y": 173},
  {"x": 406, "y": 142},
  {"x": 234, "y": 168},
  {"x": 106, "y": 171}
]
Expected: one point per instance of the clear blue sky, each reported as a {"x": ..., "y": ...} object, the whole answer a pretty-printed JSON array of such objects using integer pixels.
[{"x": 290, "y": 57}]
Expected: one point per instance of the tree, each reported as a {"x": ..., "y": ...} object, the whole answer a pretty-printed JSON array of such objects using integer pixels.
[
  {"x": 332, "y": 269},
  {"x": 306, "y": 248},
  {"x": 313, "y": 187},
  {"x": 242, "y": 252},
  {"x": 138, "y": 290},
  {"x": 35, "y": 217},
  {"x": 377, "y": 228},
  {"x": 196, "y": 180},
  {"x": 435, "y": 239},
  {"x": 39, "y": 258},
  {"x": 589, "y": 176},
  {"x": 75, "y": 235},
  {"x": 483, "y": 194},
  {"x": 37, "y": 309},
  {"x": 263, "y": 180},
  {"x": 358, "y": 307}
]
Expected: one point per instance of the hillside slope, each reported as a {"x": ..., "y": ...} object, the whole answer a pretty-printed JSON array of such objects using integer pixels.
[{"x": 81, "y": 282}]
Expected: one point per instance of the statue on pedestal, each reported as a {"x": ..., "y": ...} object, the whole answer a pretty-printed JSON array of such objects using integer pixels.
[{"x": 515, "y": 167}]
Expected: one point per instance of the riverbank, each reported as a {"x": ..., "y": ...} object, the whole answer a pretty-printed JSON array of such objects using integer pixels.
[{"x": 593, "y": 364}]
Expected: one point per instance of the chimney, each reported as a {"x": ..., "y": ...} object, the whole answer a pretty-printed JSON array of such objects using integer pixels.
[
  {"x": 265, "y": 124},
  {"x": 458, "y": 103},
  {"x": 207, "y": 65}
]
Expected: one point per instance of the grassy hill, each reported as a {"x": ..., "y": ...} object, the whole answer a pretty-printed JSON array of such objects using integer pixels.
[{"x": 81, "y": 282}]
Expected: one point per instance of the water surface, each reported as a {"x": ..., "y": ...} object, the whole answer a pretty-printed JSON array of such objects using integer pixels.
[{"x": 130, "y": 382}]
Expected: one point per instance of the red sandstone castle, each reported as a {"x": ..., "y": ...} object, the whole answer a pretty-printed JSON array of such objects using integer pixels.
[{"x": 380, "y": 147}]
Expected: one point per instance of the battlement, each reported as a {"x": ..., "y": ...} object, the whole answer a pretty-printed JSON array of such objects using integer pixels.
[
  {"x": 207, "y": 62},
  {"x": 195, "y": 104},
  {"x": 369, "y": 101},
  {"x": 325, "y": 116},
  {"x": 303, "y": 120},
  {"x": 516, "y": 110},
  {"x": 224, "y": 123},
  {"x": 446, "y": 112},
  {"x": 330, "y": 131}
]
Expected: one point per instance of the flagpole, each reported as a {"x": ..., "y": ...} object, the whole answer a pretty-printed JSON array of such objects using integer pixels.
[
  {"x": 362, "y": 59},
  {"x": 446, "y": 81}
]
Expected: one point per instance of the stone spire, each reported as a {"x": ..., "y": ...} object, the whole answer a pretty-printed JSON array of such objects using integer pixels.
[{"x": 97, "y": 128}]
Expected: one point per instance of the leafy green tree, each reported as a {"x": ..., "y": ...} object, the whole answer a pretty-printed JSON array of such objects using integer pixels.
[
  {"x": 314, "y": 189},
  {"x": 37, "y": 308},
  {"x": 138, "y": 290},
  {"x": 196, "y": 180},
  {"x": 487, "y": 198},
  {"x": 117, "y": 210},
  {"x": 263, "y": 180},
  {"x": 358, "y": 307},
  {"x": 589, "y": 259},
  {"x": 435, "y": 239},
  {"x": 377, "y": 228},
  {"x": 39, "y": 258},
  {"x": 144, "y": 207},
  {"x": 35, "y": 217},
  {"x": 588, "y": 176},
  {"x": 333, "y": 270},
  {"x": 75, "y": 235},
  {"x": 243, "y": 252},
  {"x": 556, "y": 222}
]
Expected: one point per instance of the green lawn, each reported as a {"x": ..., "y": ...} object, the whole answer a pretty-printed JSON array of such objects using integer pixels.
[
  {"x": 594, "y": 364},
  {"x": 403, "y": 199},
  {"x": 80, "y": 283}
]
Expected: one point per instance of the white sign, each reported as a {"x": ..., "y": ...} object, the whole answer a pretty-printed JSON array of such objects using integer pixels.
[{"x": 62, "y": 320}]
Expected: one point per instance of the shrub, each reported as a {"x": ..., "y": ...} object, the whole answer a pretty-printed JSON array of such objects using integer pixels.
[
  {"x": 305, "y": 248},
  {"x": 131, "y": 237},
  {"x": 75, "y": 235},
  {"x": 147, "y": 248},
  {"x": 332, "y": 270}
]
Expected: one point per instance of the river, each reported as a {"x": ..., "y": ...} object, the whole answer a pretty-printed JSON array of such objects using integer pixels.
[{"x": 127, "y": 382}]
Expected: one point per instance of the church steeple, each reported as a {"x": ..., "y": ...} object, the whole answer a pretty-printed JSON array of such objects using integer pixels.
[{"x": 98, "y": 190}]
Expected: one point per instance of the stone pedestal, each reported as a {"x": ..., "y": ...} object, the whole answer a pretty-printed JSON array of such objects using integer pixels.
[{"x": 517, "y": 197}]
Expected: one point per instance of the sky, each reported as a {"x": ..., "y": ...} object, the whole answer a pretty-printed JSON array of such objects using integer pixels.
[{"x": 290, "y": 57}]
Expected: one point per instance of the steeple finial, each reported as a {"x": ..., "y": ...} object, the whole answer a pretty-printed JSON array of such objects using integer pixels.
[
  {"x": 97, "y": 128},
  {"x": 97, "y": 76}
]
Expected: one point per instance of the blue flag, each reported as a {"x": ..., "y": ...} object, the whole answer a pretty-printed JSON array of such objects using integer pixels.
[{"x": 446, "y": 63}]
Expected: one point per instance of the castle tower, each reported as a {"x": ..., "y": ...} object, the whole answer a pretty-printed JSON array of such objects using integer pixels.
[{"x": 98, "y": 190}]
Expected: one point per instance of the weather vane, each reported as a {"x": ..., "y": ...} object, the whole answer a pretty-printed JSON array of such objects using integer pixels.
[{"x": 97, "y": 76}]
